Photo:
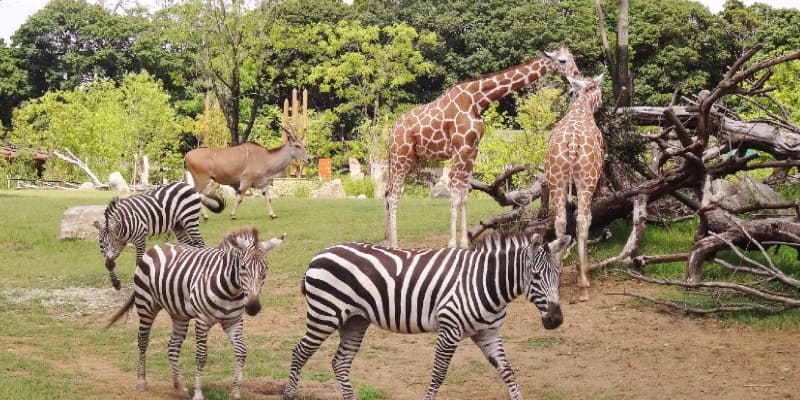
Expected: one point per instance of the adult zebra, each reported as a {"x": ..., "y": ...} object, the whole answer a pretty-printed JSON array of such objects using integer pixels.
[
  {"x": 211, "y": 285},
  {"x": 457, "y": 293},
  {"x": 172, "y": 207}
]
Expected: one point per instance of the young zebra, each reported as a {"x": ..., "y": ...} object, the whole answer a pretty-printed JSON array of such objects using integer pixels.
[
  {"x": 172, "y": 207},
  {"x": 457, "y": 293},
  {"x": 212, "y": 285}
]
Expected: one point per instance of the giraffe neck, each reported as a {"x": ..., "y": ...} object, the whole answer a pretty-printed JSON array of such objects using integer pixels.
[{"x": 494, "y": 86}]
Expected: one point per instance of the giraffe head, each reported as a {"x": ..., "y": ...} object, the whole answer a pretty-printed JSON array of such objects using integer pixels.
[
  {"x": 586, "y": 91},
  {"x": 562, "y": 62}
]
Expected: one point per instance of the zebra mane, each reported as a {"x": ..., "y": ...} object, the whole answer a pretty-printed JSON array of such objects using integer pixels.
[
  {"x": 500, "y": 238},
  {"x": 230, "y": 237},
  {"x": 111, "y": 208}
]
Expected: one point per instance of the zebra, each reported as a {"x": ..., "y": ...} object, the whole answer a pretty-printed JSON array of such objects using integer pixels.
[
  {"x": 172, "y": 207},
  {"x": 457, "y": 293},
  {"x": 211, "y": 285}
]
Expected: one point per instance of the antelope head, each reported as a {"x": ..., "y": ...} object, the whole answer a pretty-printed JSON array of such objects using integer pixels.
[{"x": 297, "y": 146}]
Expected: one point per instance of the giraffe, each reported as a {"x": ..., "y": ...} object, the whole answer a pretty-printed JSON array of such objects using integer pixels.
[
  {"x": 450, "y": 127},
  {"x": 575, "y": 157}
]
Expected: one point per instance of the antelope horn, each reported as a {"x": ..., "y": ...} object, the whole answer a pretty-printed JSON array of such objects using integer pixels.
[{"x": 290, "y": 131}]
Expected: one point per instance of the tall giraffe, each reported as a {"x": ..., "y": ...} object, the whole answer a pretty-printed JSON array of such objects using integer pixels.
[
  {"x": 451, "y": 127},
  {"x": 575, "y": 157}
]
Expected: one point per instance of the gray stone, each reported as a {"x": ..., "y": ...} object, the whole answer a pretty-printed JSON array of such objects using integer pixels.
[
  {"x": 86, "y": 186},
  {"x": 746, "y": 193},
  {"x": 78, "y": 222},
  {"x": 117, "y": 183},
  {"x": 440, "y": 191},
  {"x": 330, "y": 190}
]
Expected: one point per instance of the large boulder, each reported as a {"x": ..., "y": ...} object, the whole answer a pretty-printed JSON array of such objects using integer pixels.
[
  {"x": 747, "y": 192},
  {"x": 78, "y": 222},
  {"x": 330, "y": 190},
  {"x": 117, "y": 183}
]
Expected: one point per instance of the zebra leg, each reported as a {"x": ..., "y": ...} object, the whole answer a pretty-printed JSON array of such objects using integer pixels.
[
  {"x": 234, "y": 330},
  {"x": 492, "y": 347},
  {"x": 179, "y": 329},
  {"x": 446, "y": 344},
  {"x": 201, "y": 332},
  {"x": 143, "y": 339},
  {"x": 307, "y": 346},
  {"x": 351, "y": 334}
]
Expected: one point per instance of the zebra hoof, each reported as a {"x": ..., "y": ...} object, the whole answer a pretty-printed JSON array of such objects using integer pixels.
[
  {"x": 117, "y": 285},
  {"x": 273, "y": 217}
]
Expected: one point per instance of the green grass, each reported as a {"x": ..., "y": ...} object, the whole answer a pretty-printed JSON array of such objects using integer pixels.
[
  {"x": 41, "y": 335},
  {"x": 45, "y": 334}
]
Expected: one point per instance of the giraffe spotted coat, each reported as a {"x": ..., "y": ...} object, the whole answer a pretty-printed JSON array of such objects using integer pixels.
[
  {"x": 575, "y": 156},
  {"x": 451, "y": 127}
]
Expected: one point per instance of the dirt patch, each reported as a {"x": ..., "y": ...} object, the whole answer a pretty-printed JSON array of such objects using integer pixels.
[{"x": 606, "y": 348}]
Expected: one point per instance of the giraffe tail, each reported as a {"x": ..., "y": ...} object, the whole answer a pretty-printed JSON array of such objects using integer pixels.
[{"x": 124, "y": 310}]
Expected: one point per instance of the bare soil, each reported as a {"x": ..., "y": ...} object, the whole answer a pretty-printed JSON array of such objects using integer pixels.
[{"x": 607, "y": 348}]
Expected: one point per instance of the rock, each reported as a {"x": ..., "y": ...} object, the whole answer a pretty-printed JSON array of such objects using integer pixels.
[
  {"x": 747, "y": 192},
  {"x": 117, "y": 183},
  {"x": 355, "y": 169},
  {"x": 330, "y": 190},
  {"x": 440, "y": 191},
  {"x": 86, "y": 186},
  {"x": 78, "y": 222}
]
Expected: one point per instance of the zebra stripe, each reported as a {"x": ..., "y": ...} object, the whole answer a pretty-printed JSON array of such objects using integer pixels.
[
  {"x": 172, "y": 207},
  {"x": 457, "y": 293},
  {"x": 211, "y": 285}
]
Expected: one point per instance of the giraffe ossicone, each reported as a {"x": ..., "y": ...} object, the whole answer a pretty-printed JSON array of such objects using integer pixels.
[
  {"x": 451, "y": 127},
  {"x": 575, "y": 156}
]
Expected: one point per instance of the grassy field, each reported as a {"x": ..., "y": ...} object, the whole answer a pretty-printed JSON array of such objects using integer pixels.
[
  {"x": 55, "y": 296},
  {"x": 39, "y": 328}
]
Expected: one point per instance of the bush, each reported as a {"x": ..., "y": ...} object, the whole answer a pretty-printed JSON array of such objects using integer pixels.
[{"x": 355, "y": 187}]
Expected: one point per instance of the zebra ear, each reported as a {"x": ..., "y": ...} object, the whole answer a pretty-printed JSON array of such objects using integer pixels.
[
  {"x": 272, "y": 243},
  {"x": 558, "y": 245},
  {"x": 98, "y": 225}
]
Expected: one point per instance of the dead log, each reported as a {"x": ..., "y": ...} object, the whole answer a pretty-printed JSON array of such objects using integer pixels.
[{"x": 73, "y": 159}]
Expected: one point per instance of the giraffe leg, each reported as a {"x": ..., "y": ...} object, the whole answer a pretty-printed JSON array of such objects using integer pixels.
[
  {"x": 583, "y": 219},
  {"x": 459, "y": 190},
  {"x": 394, "y": 189},
  {"x": 492, "y": 347},
  {"x": 351, "y": 335},
  {"x": 235, "y": 329}
]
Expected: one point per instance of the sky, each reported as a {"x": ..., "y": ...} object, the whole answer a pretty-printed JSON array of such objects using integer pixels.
[{"x": 13, "y": 13}]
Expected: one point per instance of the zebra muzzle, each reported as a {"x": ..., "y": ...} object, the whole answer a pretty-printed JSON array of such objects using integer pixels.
[
  {"x": 253, "y": 306},
  {"x": 554, "y": 318},
  {"x": 110, "y": 264}
]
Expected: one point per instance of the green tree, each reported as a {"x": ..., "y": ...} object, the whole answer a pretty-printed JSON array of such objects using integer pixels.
[
  {"x": 111, "y": 127},
  {"x": 368, "y": 69},
  {"x": 69, "y": 42},
  {"x": 677, "y": 47},
  {"x": 13, "y": 85},
  {"x": 231, "y": 45}
]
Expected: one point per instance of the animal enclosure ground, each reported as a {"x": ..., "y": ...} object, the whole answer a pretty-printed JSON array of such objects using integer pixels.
[{"x": 607, "y": 348}]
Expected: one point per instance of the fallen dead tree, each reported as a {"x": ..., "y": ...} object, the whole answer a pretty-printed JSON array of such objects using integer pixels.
[{"x": 694, "y": 144}]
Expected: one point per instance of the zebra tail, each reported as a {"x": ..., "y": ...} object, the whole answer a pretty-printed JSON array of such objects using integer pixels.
[
  {"x": 124, "y": 310},
  {"x": 216, "y": 206}
]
